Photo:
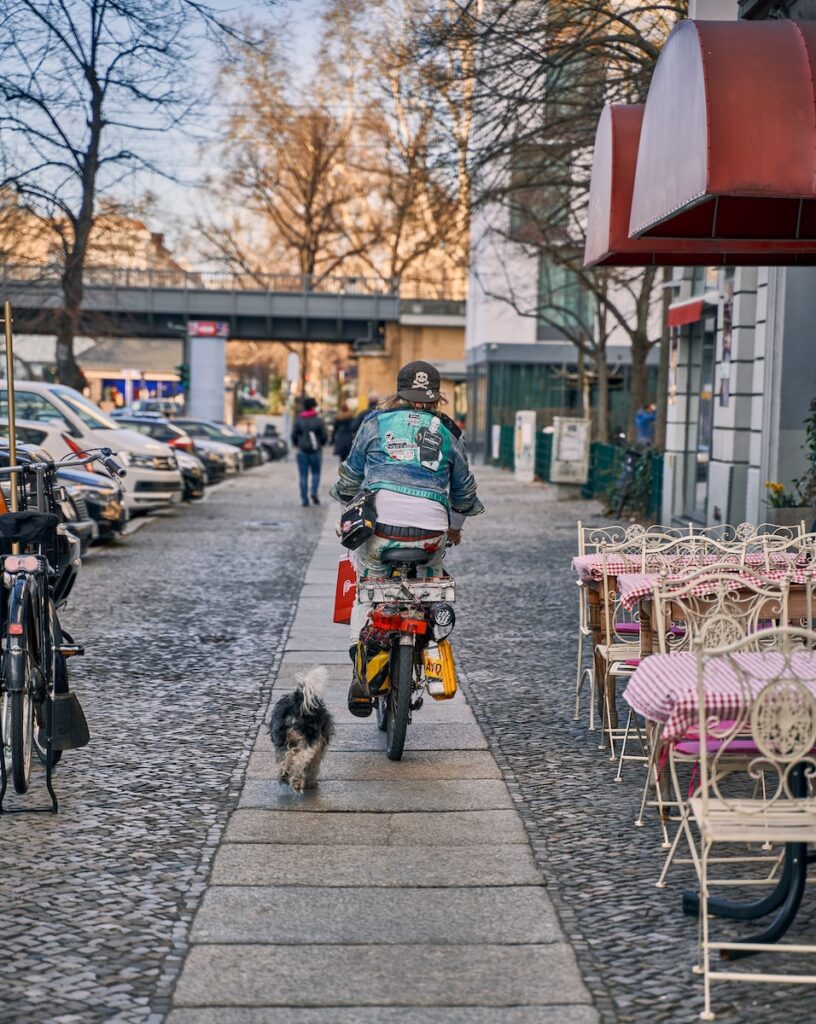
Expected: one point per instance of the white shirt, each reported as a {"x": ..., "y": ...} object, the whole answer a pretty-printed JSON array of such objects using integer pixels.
[{"x": 397, "y": 509}]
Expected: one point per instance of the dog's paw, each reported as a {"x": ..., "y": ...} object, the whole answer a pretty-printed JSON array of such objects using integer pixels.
[
  {"x": 297, "y": 784},
  {"x": 283, "y": 776}
]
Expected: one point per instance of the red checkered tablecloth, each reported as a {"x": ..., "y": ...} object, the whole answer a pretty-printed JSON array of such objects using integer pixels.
[
  {"x": 634, "y": 586},
  {"x": 664, "y": 687},
  {"x": 592, "y": 567}
]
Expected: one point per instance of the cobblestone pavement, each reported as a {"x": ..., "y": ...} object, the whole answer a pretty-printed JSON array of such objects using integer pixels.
[
  {"x": 183, "y": 625},
  {"x": 516, "y": 639}
]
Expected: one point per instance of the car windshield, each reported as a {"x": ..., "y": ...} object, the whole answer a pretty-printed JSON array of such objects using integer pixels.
[
  {"x": 200, "y": 428},
  {"x": 91, "y": 415}
]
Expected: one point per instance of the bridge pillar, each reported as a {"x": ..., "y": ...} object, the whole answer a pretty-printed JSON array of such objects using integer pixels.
[{"x": 207, "y": 359}]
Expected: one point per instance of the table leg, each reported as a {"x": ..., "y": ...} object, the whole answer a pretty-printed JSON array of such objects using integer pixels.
[
  {"x": 785, "y": 897},
  {"x": 736, "y": 911}
]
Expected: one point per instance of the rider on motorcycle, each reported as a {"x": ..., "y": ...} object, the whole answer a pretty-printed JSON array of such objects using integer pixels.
[{"x": 412, "y": 456}]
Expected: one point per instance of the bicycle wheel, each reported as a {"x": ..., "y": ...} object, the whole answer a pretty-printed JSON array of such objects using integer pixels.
[
  {"x": 22, "y": 730},
  {"x": 623, "y": 491},
  {"x": 399, "y": 699},
  {"x": 59, "y": 667}
]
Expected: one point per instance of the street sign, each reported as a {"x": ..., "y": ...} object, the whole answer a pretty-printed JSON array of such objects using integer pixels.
[{"x": 207, "y": 329}]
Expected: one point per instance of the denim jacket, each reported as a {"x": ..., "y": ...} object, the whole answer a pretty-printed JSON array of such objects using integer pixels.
[{"x": 411, "y": 451}]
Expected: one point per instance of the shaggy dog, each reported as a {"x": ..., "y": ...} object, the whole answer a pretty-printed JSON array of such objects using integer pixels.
[{"x": 301, "y": 728}]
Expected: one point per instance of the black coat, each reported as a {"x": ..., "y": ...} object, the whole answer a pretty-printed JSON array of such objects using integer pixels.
[
  {"x": 343, "y": 436},
  {"x": 306, "y": 425}
]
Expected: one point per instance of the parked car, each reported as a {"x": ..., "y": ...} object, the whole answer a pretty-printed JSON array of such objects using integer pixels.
[
  {"x": 98, "y": 499},
  {"x": 75, "y": 522},
  {"x": 153, "y": 476},
  {"x": 162, "y": 406},
  {"x": 157, "y": 427},
  {"x": 253, "y": 404},
  {"x": 232, "y": 459},
  {"x": 211, "y": 431},
  {"x": 193, "y": 473},
  {"x": 272, "y": 443}
]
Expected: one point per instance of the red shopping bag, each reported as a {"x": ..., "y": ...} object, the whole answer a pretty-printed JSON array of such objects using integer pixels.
[{"x": 346, "y": 590}]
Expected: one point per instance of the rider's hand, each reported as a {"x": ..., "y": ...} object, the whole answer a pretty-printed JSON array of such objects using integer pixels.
[{"x": 455, "y": 536}]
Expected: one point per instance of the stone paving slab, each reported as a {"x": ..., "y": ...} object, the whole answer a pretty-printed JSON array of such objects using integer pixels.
[
  {"x": 261, "y": 975},
  {"x": 255, "y": 864},
  {"x": 310, "y": 914},
  {"x": 366, "y": 766},
  {"x": 396, "y": 795},
  {"x": 458, "y": 828},
  {"x": 389, "y": 1015},
  {"x": 431, "y": 712},
  {"x": 429, "y": 736}
]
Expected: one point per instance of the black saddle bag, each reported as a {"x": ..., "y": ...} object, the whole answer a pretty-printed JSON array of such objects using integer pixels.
[{"x": 358, "y": 521}]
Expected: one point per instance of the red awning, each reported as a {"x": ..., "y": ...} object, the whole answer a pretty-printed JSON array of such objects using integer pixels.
[
  {"x": 728, "y": 141},
  {"x": 610, "y": 199},
  {"x": 688, "y": 312}
]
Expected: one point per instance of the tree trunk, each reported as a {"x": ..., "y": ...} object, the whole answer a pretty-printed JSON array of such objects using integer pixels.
[
  {"x": 68, "y": 371},
  {"x": 602, "y": 417},
  {"x": 637, "y": 398}
]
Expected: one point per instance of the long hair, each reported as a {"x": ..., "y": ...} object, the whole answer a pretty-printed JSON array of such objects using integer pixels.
[{"x": 395, "y": 401}]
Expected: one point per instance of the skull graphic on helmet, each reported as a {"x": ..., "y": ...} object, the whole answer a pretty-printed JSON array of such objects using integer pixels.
[{"x": 421, "y": 379}]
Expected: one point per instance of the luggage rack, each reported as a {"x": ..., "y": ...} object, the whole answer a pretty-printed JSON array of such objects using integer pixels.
[{"x": 379, "y": 590}]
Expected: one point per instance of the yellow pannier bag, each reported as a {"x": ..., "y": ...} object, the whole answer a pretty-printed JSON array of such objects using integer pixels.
[
  {"x": 440, "y": 671},
  {"x": 371, "y": 666}
]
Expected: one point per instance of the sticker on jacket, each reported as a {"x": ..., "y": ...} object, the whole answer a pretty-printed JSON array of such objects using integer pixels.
[{"x": 407, "y": 441}]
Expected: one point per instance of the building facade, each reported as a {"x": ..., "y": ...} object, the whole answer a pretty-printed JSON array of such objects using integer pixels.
[{"x": 742, "y": 370}]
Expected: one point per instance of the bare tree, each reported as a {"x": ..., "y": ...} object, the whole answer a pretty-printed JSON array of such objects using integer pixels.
[
  {"x": 86, "y": 86},
  {"x": 543, "y": 70},
  {"x": 343, "y": 173}
]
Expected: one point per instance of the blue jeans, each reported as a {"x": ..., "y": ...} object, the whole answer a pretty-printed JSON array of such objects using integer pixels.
[{"x": 306, "y": 462}]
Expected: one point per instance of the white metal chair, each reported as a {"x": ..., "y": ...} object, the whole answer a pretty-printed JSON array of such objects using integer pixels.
[
  {"x": 714, "y": 606},
  {"x": 771, "y": 697}
]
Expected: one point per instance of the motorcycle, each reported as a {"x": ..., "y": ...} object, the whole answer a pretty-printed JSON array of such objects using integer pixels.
[{"x": 403, "y": 650}]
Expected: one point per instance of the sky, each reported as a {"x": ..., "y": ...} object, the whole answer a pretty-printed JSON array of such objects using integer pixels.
[{"x": 177, "y": 204}]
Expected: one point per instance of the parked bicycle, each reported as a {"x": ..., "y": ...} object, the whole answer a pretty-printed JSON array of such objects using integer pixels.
[
  {"x": 403, "y": 649},
  {"x": 41, "y": 560}
]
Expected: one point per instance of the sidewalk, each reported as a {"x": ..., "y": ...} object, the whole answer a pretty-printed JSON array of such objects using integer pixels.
[{"x": 397, "y": 892}]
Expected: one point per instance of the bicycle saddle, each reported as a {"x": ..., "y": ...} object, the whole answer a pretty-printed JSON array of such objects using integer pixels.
[{"x": 406, "y": 556}]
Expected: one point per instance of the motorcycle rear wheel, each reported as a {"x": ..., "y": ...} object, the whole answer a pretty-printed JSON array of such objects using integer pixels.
[{"x": 399, "y": 699}]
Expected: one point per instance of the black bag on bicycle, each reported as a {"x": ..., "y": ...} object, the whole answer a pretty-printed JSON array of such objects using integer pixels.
[{"x": 358, "y": 520}]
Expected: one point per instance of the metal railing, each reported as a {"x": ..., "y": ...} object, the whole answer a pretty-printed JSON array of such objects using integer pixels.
[{"x": 210, "y": 280}]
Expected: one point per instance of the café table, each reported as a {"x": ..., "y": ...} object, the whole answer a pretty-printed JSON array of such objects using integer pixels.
[
  {"x": 664, "y": 690},
  {"x": 637, "y": 589}
]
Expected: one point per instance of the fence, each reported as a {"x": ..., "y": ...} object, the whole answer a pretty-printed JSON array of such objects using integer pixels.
[{"x": 605, "y": 468}]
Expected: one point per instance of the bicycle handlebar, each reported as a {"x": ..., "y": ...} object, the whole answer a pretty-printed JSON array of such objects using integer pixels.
[{"x": 103, "y": 455}]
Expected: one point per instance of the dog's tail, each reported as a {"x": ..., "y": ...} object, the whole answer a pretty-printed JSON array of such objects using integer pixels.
[{"x": 313, "y": 685}]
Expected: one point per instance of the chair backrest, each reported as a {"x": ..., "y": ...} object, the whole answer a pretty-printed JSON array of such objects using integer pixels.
[
  {"x": 620, "y": 625},
  {"x": 717, "y": 605},
  {"x": 769, "y": 698}
]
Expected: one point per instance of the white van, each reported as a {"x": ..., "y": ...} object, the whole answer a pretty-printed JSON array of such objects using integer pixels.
[{"x": 153, "y": 478}]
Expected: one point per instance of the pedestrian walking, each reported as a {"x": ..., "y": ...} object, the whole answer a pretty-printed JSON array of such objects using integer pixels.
[
  {"x": 308, "y": 437},
  {"x": 644, "y": 424},
  {"x": 373, "y": 400},
  {"x": 343, "y": 433}
]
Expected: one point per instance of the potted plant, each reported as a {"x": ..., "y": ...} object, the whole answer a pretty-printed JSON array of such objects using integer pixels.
[{"x": 789, "y": 508}]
